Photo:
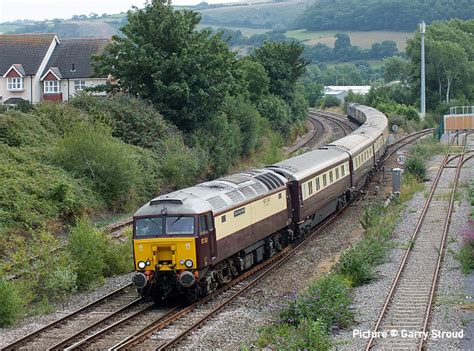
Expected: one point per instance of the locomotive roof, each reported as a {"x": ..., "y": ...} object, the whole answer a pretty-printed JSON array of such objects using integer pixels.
[
  {"x": 304, "y": 165},
  {"x": 216, "y": 195}
]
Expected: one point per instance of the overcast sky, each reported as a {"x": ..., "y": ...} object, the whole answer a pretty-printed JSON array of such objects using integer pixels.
[{"x": 11, "y": 10}]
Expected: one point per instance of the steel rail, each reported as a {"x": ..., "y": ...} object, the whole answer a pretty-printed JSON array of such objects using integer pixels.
[
  {"x": 441, "y": 250},
  {"x": 277, "y": 264},
  {"x": 26, "y": 338},
  {"x": 407, "y": 252},
  {"x": 102, "y": 332},
  {"x": 272, "y": 263}
]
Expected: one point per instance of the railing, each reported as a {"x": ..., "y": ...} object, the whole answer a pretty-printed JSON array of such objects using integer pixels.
[{"x": 461, "y": 110}]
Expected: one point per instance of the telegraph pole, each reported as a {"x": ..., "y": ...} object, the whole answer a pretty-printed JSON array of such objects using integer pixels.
[{"x": 423, "y": 102}]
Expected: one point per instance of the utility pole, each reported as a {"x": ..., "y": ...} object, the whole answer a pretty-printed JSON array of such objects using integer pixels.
[{"x": 423, "y": 102}]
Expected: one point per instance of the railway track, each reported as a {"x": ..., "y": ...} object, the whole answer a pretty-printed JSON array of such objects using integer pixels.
[
  {"x": 54, "y": 335},
  {"x": 392, "y": 148},
  {"x": 167, "y": 332},
  {"x": 340, "y": 121},
  {"x": 406, "y": 310}
]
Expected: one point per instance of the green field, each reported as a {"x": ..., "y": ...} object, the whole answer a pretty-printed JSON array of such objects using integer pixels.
[{"x": 362, "y": 39}]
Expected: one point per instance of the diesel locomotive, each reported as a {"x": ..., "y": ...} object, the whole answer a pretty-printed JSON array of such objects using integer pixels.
[{"x": 193, "y": 240}]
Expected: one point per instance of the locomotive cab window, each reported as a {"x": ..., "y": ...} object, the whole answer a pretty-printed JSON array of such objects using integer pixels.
[
  {"x": 209, "y": 221},
  {"x": 202, "y": 225},
  {"x": 179, "y": 225},
  {"x": 149, "y": 227}
]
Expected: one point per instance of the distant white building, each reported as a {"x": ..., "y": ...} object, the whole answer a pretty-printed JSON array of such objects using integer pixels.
[
  {"x": 340, "y": 91},
  {"x": 39, "y": 67}
]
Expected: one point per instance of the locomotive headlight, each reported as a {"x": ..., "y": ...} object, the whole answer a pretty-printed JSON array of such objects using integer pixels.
[
  {"x": 188, "y": 263},
  {"x": 141, "y": 265}
]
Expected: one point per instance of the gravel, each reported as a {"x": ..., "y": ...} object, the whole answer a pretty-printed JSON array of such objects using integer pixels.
[{"x": 30, "y": 324}]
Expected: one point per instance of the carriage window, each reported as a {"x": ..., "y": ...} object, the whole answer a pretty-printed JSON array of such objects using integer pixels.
[
  {"x": 179, "y": 225},
  {"x": 202, "y": 225},
  {"x": 310, "y": 186},
  {"x": 342, "y": 171},
  {"x": 317, "y": 184},
  {"x": 324, "y": 180},
  {"x": 149, "y": 227},
  {"x": 337, "y": 173},
  {"x": 223, "y": 219},
  {"x": 330, "y": 177}
]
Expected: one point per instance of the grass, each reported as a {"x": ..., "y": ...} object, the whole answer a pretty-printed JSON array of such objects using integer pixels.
[{"x": 362, "y": 39}]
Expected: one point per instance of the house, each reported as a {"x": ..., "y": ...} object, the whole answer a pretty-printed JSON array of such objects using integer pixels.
[{"x": 39, "y": 67}]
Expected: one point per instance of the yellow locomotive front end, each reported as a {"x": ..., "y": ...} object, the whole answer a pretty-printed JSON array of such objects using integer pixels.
[{"x": 165, "y": 256}]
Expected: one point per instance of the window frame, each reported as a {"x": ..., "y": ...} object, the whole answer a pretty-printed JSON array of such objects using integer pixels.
[
  {"x": 15, "y": 84},
  {"x": 49, "y": 87},
  {"x": 79, "y": 85}
]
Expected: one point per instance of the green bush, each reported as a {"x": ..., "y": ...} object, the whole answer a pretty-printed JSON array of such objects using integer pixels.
[
  {"x": 326, "y": 301},
  {"x": 89, "y": 151},
  {"x": 34, "y": 193},
  {"x": 86, "y": 247},
  {"x": 466, "y": 257},
  {"x": 133, "y": 120},
  {"x": 330, "y": 101},
  {"x": 94, "y": 256},
  {"x": 355, "y": 264},
  {"x": 307, "y": 335},
  {"x": 277, "y": 111},
  {"x": 222, "y": 141},
  {"x": 19, "y": 129},
  {"x": 61, "y": 283},
  {"x": 415, "y": 166},
  {"x": 10, "y": 304}
]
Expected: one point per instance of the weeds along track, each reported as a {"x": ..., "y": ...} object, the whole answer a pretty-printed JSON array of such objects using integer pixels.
[
  {"x": 409, "y": 301},
  {"x": 114, "y": 305}
]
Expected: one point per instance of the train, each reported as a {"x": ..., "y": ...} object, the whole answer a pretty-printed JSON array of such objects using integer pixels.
[{"x": 192, "y": 241}]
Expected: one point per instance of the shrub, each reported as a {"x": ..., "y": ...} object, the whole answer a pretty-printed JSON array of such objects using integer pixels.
[
  {"x": 89, "y": 151},
  {"x": 10, "y": 303},
  {"x": 307, "y": 335},
  {"x": 86, "y": 247},
  {"x": 416, "y": 167},
  {"x": 94, "y": 256},
  {"x": 326, "y": 301},
  {"x": 354, "y": 265},
  {"x": 330, "y": 101},
  {"x": 277, "y": 111},
  {"x": 61, "y": 283},
  {"x": 133, "y": 120}
]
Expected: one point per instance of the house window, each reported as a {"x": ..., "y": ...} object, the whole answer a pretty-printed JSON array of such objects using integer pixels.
[
  {"x": 79, "y": 85},
  {"x": 15, "y": 83},
  {"x": 51, "y": 86}
]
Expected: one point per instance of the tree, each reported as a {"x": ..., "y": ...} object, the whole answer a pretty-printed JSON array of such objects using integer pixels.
[
  {"x": 396, "y": 68},
  {"x": 343, "y": 42},
  {"x": 184, "y": 72},
  {"x": 449, "y": 62},
  {"x": 284, "y": 66}
]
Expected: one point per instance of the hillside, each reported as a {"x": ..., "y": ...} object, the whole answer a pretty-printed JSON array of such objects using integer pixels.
[{"x": 366, "y": 15}]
